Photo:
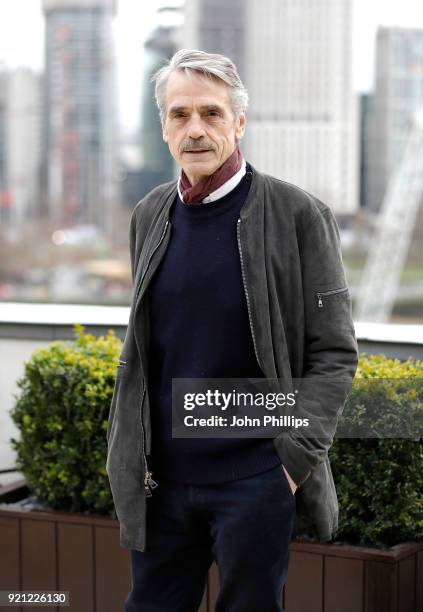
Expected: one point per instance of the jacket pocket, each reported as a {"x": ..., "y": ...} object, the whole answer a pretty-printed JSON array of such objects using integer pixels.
[
  {"x": 331, "y": 316},
  {"x": 121, "y": 363},
  {"x": 121, "y": 371},
  {"x": 113, "y": 407},
  {"x": 325, "y": 297},
  {"x": 121, "y": 367}
]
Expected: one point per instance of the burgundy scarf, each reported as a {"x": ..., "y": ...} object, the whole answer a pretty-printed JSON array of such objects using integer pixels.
[{"x": 195, "y": 194}]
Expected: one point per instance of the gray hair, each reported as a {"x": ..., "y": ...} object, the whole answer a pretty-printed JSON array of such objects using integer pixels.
[{"x": 208, "y": 64}]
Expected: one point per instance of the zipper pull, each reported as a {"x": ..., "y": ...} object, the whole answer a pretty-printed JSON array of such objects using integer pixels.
[
  {"x": 153, "y": 484},
  {"x": 149, "y": 484},
  {"x": 320, "y": 302}
]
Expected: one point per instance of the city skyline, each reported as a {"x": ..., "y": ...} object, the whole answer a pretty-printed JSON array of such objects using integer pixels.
[{"x": 134, "y": 21}]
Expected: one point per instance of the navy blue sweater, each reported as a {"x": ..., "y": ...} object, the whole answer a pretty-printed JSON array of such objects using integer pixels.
[{"x": 199, "y": 327}]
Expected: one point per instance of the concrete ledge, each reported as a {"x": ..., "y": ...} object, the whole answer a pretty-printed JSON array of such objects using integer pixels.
[{"x": 55, "y": 322}]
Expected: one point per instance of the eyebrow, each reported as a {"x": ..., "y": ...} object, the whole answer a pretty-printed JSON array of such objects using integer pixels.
[{"x": 204, "y": 107}]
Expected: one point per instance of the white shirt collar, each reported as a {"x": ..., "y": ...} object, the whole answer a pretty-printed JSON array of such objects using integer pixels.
[{"x": 223, "y": 189}]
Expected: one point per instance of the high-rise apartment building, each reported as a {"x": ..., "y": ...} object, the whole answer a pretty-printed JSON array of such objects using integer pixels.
[
  {"x": 218, "y": 26},
  {"x": 20, "y": 145},
  {"x": 80, "y": 111},
  {"x": 23, "y": 144},
  {"x": 397, "y": 96},
  {"x": 295, "y": 57},
  {"x": 159, "y": 46}
]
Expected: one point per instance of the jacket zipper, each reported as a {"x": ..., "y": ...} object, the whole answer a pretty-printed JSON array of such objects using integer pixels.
[
  {"x": 149, "y": 260},
  {"x": 149, "y": 483},
  {"x": 329, "y": 292},
  {"x": 238, "y": 229}
]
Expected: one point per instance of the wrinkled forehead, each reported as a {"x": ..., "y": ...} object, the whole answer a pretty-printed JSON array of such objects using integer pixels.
[{"x": 193, "y": 88}]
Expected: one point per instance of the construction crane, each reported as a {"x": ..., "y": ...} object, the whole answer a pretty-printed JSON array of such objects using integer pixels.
[{"x": 393, "y": 232}]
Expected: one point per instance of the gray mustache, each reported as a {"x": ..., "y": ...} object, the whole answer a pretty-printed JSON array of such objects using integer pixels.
[{"x": 195, "y": 146}]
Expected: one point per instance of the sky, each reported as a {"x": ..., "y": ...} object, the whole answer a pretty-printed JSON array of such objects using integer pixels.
[{"x": 22, "y": 30}]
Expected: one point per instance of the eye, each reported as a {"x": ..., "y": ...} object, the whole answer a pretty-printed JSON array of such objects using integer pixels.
[{"x": 213, "y": 113}]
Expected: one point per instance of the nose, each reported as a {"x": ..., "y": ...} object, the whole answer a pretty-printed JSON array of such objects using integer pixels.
[{"x": 195, "y": 127}]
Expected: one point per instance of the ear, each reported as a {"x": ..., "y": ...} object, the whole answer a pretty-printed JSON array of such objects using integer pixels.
[
  {"x": 240, "y": 126},
  {"x": 164, "y": 131}
]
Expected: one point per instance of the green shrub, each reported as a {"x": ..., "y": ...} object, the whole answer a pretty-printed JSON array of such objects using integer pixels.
[
  {"x": 379, "y": 479},
  {"x": 61, "y": 412}
]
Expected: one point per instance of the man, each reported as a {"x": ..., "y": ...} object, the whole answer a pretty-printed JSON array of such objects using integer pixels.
[{"x": 236, "y": 274}]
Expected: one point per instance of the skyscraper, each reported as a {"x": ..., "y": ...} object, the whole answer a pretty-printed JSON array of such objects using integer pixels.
[
  {"x": 398, "y": 94},
  {"x": 218, "y": 26},
  {"x": 295, "y": 57},
  {"x": 80, "y": 111},
  {"x": 159, "y": 46},
  {"x": 20, "y": 145},
  {"x": 23, "y": 144}
]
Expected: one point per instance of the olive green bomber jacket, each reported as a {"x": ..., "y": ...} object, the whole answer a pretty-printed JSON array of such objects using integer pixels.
[{"x": 301, "y": 323}]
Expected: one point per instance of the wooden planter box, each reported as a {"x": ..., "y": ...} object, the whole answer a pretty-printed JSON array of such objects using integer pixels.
[{"x": 81, "y": 554}]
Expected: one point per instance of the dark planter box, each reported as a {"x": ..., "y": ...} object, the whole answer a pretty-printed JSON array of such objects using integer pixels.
[{"x": 81, "y": 554}]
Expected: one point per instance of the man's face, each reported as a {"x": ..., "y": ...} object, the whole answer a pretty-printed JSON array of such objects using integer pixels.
[{"x": 199, "y": 125}]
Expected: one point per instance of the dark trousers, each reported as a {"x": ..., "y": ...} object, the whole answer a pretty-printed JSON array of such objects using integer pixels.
[{"x": 245, "y": 525}]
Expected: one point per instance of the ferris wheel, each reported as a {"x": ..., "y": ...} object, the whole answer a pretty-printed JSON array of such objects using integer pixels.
[{"x": 393, "y": 233}]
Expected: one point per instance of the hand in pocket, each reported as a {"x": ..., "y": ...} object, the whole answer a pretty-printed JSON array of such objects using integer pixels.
[{"x": 292, "y": 484}]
